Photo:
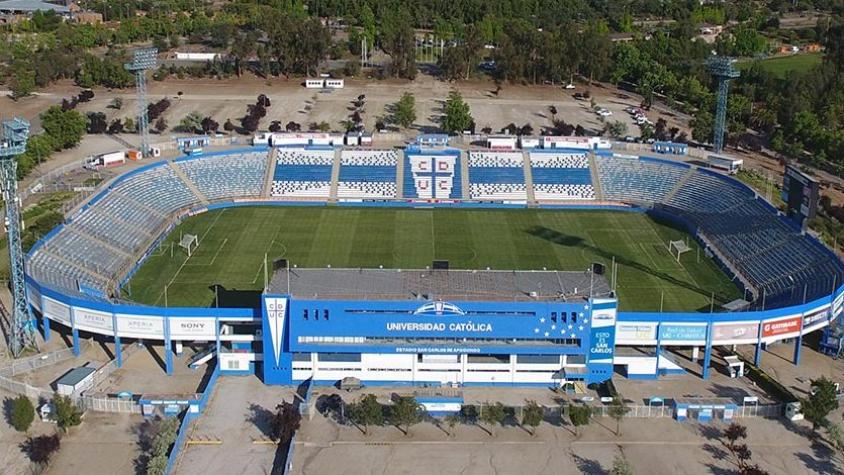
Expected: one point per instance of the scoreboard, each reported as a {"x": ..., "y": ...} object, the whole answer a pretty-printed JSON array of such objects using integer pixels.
[{"x": 801, "y": 194}]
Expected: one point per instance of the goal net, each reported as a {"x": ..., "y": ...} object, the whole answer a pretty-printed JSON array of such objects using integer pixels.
[
  {"x": 189, "y": 243},
  {"x": 678, "y": 248}
]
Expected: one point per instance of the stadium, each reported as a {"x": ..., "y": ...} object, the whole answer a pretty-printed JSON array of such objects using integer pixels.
[{"x": 298, "y": 258}]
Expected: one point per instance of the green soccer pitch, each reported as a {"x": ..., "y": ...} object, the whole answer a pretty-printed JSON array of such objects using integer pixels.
[{"x": 234, "y": 241}]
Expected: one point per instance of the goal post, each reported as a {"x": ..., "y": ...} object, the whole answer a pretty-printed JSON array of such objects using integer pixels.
[
  {"x": 678, "y": 247},
  {"x": 189, "y": 242}
]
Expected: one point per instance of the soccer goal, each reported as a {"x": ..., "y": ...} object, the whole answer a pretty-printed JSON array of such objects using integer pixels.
[
  {"x": 680, "y": 247},
  {"x": 189, "y": 242}
]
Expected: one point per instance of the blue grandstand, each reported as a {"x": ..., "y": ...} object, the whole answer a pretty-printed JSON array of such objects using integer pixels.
[
  {"x": 497, "y": 176},
  {"x": 303, "y": 172},
  {"x": 561, "y": 174},
  {"x": 367, "y": 174}
]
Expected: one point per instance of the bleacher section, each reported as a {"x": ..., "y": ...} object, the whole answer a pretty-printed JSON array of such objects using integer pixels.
[
  {"x": 432, "y": 174},
  {"x": 497, "y": 176},
  {"x": 561, "y": 175},
  {"x": 303, "y": 173},
  {"x": 100, "y": 240},
  {"x": 781, "y": 263},
  {"x": 228, "y": 176},
  {"x": 367, "y": 174}
]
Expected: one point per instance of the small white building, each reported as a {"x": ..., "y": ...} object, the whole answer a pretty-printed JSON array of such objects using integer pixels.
[
  {"x": 76, "y": 381},
  {"x": 501, "y": 142}
]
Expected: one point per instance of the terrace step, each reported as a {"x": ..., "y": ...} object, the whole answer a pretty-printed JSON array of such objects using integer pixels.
[
  {"x": 400, "y": 175},
  {"x": 268, "y": 178},
  {"x": 464, "y": 175},
  {"x": 596, "y": 178},
  {"x": 531, "y": 196},
  {"x": 188, "y": 182},
  {"x": 335, "y": 174},
  {"x": 685, "y": 178}
]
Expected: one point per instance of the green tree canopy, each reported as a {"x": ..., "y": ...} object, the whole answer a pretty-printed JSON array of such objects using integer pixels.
[
  {"x": 22, "y": 413},
  {"x": 458, "y": 116},
  {"x": 66, "y": 127},
  {"x": 404, "y": 111},
  {"x": 820, "y": 402}
]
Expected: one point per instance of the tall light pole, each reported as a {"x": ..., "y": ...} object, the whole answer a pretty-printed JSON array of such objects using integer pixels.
[
  {"x": 143, "y": 60},
  {"x": 13, "y": 143},
  {"x": 722, "y": 68}
]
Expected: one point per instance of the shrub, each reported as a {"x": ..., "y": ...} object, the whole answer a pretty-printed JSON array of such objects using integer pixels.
[{"x": 22, "y": 414}]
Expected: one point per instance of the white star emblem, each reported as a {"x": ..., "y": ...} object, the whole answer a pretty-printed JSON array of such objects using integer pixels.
[
  {"x": 570, "y": 327},
  {"x": 580, "y": 328},
  {"x": 553, "y": 327},
  {"x": 542, "y": 320},
  {"x": 546, "y": 333},
  {"x": 536, "y": 330}
]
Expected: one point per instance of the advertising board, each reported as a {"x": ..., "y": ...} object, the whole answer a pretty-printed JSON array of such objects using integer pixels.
[
  {"x": 815, "y": 317},
  {"x": 57, "y": 311},
  {"x": 673, "y": 332},
  {"x": 140, "y": 327},
  {"x": 192, "y": 328},
  {"x": 93, "y": 321},
  {"x": 735, "y": 331},
  {"x": 635, "y": 331},
  {"x": 781, "y": 327}
]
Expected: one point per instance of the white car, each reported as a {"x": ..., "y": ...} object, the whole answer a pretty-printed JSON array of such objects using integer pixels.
[
  {"x": 604, "y": 112},
  {"x": 569, "y": 86}
]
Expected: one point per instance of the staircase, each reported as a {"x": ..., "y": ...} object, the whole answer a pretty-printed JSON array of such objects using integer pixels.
[
  {"x": 679, "y": 185},
  {"x": 190, "y": 184},
  {"x": 531, "y": 196},
  {"x": 464, "y": 176},
  {"x": 268, "y": 178},
  {"x": 596, "y": 177},
  {"x": 335, "y": 175},
  {"x": 400, "y": 175}
]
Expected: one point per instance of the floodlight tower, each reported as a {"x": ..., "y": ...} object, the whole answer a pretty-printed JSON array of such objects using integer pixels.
[
  {"x": 143, "y": 60},
  {"x": 722, "y": 68},
  {"x": 13, "y": 143}
]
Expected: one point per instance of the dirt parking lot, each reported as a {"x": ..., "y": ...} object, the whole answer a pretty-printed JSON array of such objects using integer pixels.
[
  {"x": 651, "y": 446},
  {"x": 236, "y": 416}
]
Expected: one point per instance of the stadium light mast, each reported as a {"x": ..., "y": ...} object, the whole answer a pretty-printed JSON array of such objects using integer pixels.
[
  {"x": 722, "y": 68},
  {"x": 143, "y": 60},
  {"x": 13, "y": 143}
]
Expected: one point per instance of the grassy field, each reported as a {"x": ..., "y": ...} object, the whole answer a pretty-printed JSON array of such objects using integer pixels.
[
  {"x": 233, "y": 242},
  {"x": 784, "y": 64}
]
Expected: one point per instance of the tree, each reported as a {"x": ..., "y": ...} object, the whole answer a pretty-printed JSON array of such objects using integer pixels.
[
  {"x": 160, "y": 125},
  {"x": 22, "y": 82},
  {"x": 398, "y": 40},
  {"x": 65, "y": 126},
  {"x": 22, "y": 413},
  {"x": 67, "y": 414},
  {"x": 115, "y": 127},
  {"x": 820, "y": 402},
  {"x": 616, "y": 129},
  {"x": 493, "y": 414},
  {"x": 293, "y": 126},
  {"x": 116, "y": 103},
  {"x": 129, "y": 125},
  {"x": 41, "y": 449},
  {"x": 97, "y": 123},
  {"x": 191, "y": 122},
  {"x": 532, "y": 416},
  {"x": 579, "y": 416},
  {"x": 367, "y": 411},
  {"x": 458, "y": 116},
  {"x": 405, "y": 412},
  {"x": 451, "y": 421},
  {"x": 620, "y": 466},
  {"x": 228, "y": 126},
  {"x": 284, "y": 423},
  {"x": 617, "y": 411},
  {"x": 209, "y": 125},
  {"x": 404, "y": 111},
  {"x": 275, "y": 126}
]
